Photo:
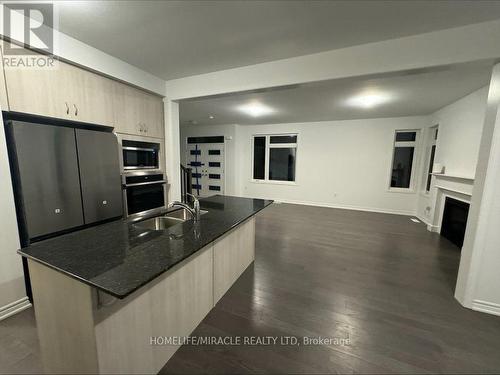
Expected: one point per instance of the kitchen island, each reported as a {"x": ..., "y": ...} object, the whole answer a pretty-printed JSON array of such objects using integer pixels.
[{"x": 102, "y": 294}]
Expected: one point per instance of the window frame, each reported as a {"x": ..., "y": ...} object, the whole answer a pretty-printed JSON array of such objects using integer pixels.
[
  {"x": 431, "y": 142},
  {"x": 414, "y": 167},
  {"x": 267, "y": 161}
]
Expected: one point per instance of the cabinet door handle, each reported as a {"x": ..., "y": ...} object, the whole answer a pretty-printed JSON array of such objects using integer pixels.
[
  {"x": 76, "y": 109},
  {"x": 67, "y": 108}
]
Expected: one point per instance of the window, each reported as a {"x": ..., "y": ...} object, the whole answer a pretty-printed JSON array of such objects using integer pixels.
[
  {"x": 432, "y": 154},
  {"x": 274, "y": 157},
  {"x": 259, "y": 158},
  {"x": 403, "y": 160}
]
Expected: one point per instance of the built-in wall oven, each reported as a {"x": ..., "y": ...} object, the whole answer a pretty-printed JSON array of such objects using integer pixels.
[
  {"x": 143, "y": 178},
  {"x": 143, "y": 193}
]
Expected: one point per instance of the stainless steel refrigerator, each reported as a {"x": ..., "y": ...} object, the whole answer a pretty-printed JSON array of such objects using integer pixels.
[{"x": 63, "y": 177}]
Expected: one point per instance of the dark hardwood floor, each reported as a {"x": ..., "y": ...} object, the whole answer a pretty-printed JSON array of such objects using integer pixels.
[
  {"x": 19, "y": 348},
  {"x": 382, "y": 281}
]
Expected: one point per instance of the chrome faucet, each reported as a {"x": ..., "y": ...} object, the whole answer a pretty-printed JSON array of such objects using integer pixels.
[{"x": 195, "y": 211}]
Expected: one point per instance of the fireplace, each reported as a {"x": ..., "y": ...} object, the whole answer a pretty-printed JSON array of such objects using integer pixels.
[{"x": 454, "y": 220}]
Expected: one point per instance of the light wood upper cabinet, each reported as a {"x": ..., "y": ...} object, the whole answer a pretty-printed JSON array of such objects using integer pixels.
[
  {"x": 137, "y": 112},
  {"x": 65, "y": 91},
  {"x": 72, "y": 93},
  {"x": 93, "y": 102},
  {"x": 42, "y": 92},
  {"x": 154, "y": 116},
  {"x": 126, "y": 109}
]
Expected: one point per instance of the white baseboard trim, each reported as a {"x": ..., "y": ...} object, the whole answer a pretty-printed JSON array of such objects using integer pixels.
[
  {"x": 423, "y": 220},
  {"x": 486, "y": 307},
  {"x": 14, "y": 308},
  {"x": 433, "y": 228},
  {"x": 342, "y": 207}
]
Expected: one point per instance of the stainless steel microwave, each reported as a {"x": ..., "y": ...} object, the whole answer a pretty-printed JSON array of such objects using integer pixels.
[{"x": 139, "y": 155}]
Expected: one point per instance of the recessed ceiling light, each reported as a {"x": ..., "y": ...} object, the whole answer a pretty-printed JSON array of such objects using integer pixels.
[
  {"x": 368, "y": 99},
  {"x": 255, "y": 109},
  {"x": 211, "y": 117}
]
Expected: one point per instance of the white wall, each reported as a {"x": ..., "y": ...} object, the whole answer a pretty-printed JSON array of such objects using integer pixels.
[
  {"x": 339, "y": 163},
  {"x": 460, "y": 128},
  {"x": 457, "y": 148},
  {"x": 486, "y": 291},
  {"x": 478, "y": 277},
  {"x": 11, "y": 272}
]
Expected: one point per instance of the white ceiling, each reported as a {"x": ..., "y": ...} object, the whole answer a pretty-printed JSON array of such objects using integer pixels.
[
  {"x": 172, "y": 39},
  {"x": 410, "y": 93}
]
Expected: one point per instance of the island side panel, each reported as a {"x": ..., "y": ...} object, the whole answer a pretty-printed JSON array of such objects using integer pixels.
[
  {"x": 233, "y": 253},
  {"x": 64, "y": 319},
  {"x": 173, "y": 305}
]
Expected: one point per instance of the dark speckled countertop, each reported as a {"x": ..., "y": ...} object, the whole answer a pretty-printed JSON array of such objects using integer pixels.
[{"x": 119, "y": 257}]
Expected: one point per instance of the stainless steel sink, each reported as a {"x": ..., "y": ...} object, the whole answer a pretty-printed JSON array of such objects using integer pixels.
[
  {"x": 158, "y": 223},
  {"x": 167, "y": 220}
]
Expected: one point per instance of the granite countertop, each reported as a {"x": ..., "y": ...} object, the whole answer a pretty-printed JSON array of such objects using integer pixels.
[{"x": 120, "y": 257}]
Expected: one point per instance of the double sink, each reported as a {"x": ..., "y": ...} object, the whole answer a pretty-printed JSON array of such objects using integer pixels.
[{"x": 166, "y": 221}]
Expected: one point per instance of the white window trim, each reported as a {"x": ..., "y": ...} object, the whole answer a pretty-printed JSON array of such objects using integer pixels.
[
  {"x": 431, "y": 142},
  {"x": 415, "y": 144},
  {"x": 266, "y": 179}
]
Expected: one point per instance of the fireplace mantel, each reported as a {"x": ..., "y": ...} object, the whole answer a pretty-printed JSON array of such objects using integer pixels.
[
  {"x": 453, "y": 176},
  {"x": 454, "y": 190},
  {"x": 447, "y": 185}
]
